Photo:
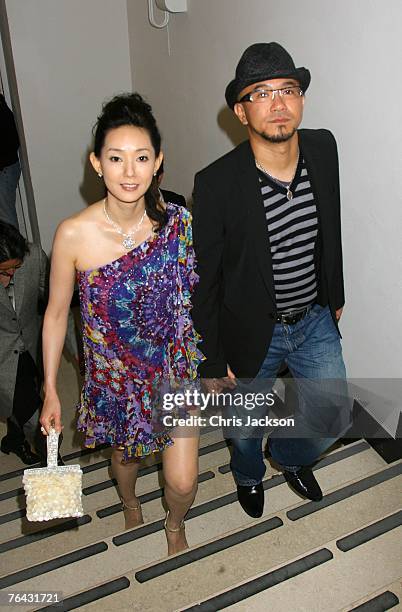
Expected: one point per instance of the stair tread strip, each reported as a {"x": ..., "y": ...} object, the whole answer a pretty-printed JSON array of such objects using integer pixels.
[
  {"x": 53, "y": 564},
  {"x": 345, "y": 492},
  {"x": 370, "y": 532},
  {"x": 44, "y": 533},
  {"x": 257, "y": 585},
  {"x": 87, "y": 597},
  {"x": 12, "y": 493},
  {"x": 205, "y": 550},
  {"x": 12, "y": 516},
  {"x": 381, "y": 603}
]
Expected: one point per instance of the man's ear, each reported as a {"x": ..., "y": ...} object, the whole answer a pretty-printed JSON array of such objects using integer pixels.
[
  {"x": 95, "y": 162},
  {"x": 240, "y": 114}
]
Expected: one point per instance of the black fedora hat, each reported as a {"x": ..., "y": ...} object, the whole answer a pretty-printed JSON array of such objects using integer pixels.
[{"x": 260, "y": 62}]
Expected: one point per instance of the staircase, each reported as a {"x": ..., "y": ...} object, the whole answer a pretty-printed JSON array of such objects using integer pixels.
[{"x": 343, "y": 553}]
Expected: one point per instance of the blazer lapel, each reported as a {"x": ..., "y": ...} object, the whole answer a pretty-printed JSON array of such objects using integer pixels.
[
  {"x": 323, "y": 194},
  {"x": 4, "y": 299},
  {"x": 251, "y": 197},
  {"x": 19, "y": 290}
]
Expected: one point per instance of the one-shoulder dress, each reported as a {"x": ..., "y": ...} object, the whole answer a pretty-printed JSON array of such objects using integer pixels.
[{"x": 137, "y": 332}]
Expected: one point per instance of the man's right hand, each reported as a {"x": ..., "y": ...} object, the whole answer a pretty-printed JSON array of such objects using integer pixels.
[
  {"x": 51, "y": 413},
  {"x": 217, "y": 385}
]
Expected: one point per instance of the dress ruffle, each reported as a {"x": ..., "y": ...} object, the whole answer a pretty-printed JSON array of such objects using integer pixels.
[{"x": 184, "y": 354}]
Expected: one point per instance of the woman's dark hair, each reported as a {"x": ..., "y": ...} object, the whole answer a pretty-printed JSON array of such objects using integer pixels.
[
  {"x": 131, "y": 109},
  {"x": 12, "y": 244}
]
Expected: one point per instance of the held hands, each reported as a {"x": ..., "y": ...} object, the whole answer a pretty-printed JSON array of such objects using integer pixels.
[
  {"x": 217, "y": 385},
  {"x": 51, "y": 414}
]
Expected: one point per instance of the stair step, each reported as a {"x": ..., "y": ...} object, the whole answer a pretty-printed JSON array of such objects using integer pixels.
[{"x": 291, "y": 540}]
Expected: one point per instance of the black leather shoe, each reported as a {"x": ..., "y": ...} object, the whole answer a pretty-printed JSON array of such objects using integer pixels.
[
  {"x": 251, "y": 499},
  {"x": 303, "y": 482},
  {"x": 23, "y": 451}
]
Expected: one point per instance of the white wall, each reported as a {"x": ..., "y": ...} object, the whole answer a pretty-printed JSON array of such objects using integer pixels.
[
  {"x": 353, "y": 49},
  {"x": 69, "y": 56}
]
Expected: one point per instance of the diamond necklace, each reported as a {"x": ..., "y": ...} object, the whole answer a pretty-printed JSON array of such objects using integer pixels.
[
  {"x": 128, "y": 242},
  {"x": 289, "y": 193}
]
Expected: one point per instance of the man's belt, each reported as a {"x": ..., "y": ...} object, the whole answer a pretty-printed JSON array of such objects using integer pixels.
[{"x": 290, "y": 318}]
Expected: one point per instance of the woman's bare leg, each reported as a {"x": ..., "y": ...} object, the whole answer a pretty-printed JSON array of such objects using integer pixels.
[
  {"x": 126, "y": 476},
  {"x": 180, "y": 470}
]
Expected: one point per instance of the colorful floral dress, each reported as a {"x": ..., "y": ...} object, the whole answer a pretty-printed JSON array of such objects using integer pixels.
[{"x": 137, "y": 333}]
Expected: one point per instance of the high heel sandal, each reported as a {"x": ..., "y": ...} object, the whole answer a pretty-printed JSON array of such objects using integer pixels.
[
  {"x": 175, "y": 547},
  {"x": 176, "y": 529},
  {"x": 131, "y": 521}
]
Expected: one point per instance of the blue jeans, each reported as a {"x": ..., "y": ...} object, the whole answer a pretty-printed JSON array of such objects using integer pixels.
[{"x": 312, "y": 350}]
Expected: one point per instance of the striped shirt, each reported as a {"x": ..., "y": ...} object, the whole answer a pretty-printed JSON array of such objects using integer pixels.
[{"x": 292, "y": 229}]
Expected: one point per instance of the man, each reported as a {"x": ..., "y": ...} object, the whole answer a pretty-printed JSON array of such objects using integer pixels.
[
  {"x": 23, "y": 286},
  {"x": 9, "y": 164},
  {"x": 268, "y": 244}
]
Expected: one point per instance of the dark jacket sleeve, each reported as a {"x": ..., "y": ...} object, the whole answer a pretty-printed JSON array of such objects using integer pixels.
[
  {"x": 208, "y": 234},
  {"x": 44, "y": 270},
  {"x": 340, "y": 288}
]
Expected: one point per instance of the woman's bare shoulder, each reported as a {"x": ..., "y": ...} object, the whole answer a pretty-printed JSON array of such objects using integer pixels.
[{"x": 74, "y": 227}]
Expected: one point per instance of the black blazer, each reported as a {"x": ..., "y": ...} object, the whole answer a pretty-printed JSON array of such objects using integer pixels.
[
  {"x": 234, "y": 302},
  {"x": 173, "y": 198}
]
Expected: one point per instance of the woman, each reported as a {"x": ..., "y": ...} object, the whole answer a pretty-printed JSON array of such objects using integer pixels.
[{"x": 134, "y": 261}]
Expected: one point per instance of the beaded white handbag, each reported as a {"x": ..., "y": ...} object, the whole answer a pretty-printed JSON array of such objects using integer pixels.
[{"x": 54, "y": 491}]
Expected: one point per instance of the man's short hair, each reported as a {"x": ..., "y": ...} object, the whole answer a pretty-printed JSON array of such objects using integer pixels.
[{"x": 12, "y": 244}]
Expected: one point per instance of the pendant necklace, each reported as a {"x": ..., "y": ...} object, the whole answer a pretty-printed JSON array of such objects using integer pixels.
[
  {"x": 289, "y": 193},
  {"x": 129, "y": 241}
]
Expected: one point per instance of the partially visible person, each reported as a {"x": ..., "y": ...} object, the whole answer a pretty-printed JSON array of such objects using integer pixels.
[
  {"x": 134, "y": 260},
  {"x": 23, "y": 288},
  {"x": 169, "y": 196},
  {"x": 9, "y": 164}
]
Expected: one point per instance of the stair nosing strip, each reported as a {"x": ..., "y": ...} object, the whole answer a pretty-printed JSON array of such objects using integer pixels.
[
  {"x": 361, "y": 536},
  {"x": 345, "y": 492},
  {"x": 12, "y": 493},
  {"x": 380, "y": 603},
  {"x": 52, "y": 564},
  {"x": 205, "y": 550},
  {"x": 89, "y": 596},
  {"x": 44, "y": 533},
  {"x": 262, "y": 583}
]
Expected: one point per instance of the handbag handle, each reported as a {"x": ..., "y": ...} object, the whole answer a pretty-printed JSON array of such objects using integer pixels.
[{"x": 52, "y": 447}]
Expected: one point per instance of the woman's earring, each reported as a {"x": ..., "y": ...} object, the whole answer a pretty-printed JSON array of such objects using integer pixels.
[
  {"x": 100, "y": 174},
  {"x": 155, "y": 173}
]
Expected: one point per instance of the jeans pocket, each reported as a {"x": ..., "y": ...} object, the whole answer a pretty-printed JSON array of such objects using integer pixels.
[{"x": 316, "y": 311}]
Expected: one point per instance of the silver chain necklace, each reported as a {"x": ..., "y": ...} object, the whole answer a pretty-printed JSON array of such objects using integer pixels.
[
  {"x": 128, "y": 242},
  {"x": 289, "y": 193}
]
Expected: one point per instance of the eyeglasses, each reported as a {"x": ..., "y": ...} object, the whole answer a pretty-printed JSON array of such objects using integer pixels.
[
  {"x": 5, "y": 271},
  {"x": 262, "y": 95}
]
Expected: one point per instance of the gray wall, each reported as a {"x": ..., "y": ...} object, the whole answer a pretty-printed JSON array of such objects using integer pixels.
[
  {"x": 69, "y": 56},
  {"x": 353, "y": 49}
]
